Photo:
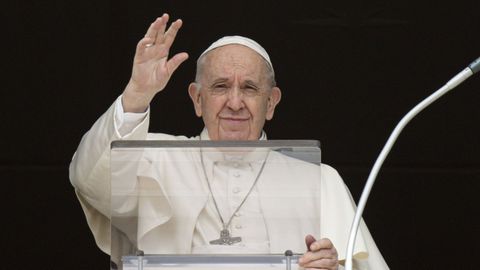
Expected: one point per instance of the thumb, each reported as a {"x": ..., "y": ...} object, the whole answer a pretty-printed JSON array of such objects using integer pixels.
[
  {"x": 175, "y": 61},
  {"x": 309, "y": 239}
]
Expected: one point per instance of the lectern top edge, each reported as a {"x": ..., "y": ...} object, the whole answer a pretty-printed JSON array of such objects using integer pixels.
[{"x": 214, "y": 144}]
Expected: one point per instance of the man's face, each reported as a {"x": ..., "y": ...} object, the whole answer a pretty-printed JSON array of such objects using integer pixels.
[{"x": 235, "y": 96}]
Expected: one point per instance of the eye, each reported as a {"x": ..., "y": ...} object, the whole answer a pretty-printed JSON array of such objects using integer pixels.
[
  {"x": 219, "y": 88},
  {"x": 250, "y": 89}
]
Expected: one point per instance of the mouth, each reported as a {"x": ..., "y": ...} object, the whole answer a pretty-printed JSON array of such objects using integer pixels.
[{"x": 234, "y": 120}]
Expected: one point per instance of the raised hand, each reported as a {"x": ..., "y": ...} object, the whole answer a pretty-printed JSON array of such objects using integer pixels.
[{"x": 152, "y": 67}]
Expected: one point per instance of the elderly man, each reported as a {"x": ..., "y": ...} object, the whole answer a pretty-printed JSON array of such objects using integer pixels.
[{"x": 235, "y": 93}]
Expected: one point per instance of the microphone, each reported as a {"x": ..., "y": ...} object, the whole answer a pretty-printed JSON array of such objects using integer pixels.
[{"x": 474, "y": 67}]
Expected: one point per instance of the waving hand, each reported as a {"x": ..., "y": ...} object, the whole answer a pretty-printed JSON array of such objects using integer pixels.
[{"x": 152, "y": 67}]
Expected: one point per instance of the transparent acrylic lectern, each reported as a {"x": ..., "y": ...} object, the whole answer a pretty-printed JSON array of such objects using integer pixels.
[{"x": 207, "y": 204}]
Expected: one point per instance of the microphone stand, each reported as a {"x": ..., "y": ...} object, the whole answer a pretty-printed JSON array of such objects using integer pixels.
[{"x": 455, "y": 81}]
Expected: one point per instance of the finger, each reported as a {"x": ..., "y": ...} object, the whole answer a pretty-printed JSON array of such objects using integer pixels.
[
  {"x": 161, "y": 28},
  {"x": 172, "y": 33},
  {"x": 144, "y": 43},
  {"x": 175, "y": 62},
  {"x": 309, "y": 239},
  {"x": 317, "y": 255},
  {"x": 153, "y": 29},
  {"x": 322, "y": 264},
  {"x": 157, "y": 27},
  {"x": 162, "y": 48},
  {"x": 323, "y": 243}
]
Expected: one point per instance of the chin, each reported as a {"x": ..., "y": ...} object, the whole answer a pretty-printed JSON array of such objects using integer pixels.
[{"x": 234, "y": 136}]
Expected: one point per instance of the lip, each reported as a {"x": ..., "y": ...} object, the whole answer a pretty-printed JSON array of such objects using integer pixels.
[{"x": 234, "y": 121}]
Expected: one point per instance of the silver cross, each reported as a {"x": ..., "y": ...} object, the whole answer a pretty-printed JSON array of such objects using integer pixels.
[{"x": 225, "y": 239}]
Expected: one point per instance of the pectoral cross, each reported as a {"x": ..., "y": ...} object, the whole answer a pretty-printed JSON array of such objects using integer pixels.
[{"x": 225, "y": 239}]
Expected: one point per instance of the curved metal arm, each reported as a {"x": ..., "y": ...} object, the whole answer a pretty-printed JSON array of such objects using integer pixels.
[{"x": 459, "y": 78}]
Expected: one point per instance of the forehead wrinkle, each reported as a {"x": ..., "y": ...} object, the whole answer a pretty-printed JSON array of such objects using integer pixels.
[
  {"x": 233, "y": 76},
  {"x": 228, "y": 61},
  {"x": 227, "y": 65}
]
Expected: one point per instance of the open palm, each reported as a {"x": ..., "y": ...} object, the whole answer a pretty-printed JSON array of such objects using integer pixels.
[{"x": 152, "y": 67}]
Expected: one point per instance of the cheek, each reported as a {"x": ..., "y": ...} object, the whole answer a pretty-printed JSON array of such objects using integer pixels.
[
  {"x": 258, "y": 109},
  {"x": 212, "y": 106}
]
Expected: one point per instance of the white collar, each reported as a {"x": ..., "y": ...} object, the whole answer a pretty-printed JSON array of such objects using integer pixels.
[
  {"x": 246, "y": 154},
  {"x": 204, "y": 135}
]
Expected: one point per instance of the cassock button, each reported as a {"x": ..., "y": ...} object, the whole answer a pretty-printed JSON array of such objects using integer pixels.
[
  {"x": 236, "y": 174},
  {"x": 238, "y": 214},
  {"x": 238, "y": 226},
  {"x": 236, "y": 190}
]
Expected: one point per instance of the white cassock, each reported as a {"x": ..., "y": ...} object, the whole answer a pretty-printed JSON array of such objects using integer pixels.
[{"x": 290, "y": 200}]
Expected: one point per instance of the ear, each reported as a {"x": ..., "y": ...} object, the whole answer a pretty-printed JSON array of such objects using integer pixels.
[
  {"x": 273, "y": 100},
  {"x": 194, "y": 92}
]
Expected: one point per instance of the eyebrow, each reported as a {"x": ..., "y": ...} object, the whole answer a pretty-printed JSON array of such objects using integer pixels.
[
  {"x": 250, "y": 82},
  {"x": 224, "y": 80},
  {"x": 219, "y": 80}
]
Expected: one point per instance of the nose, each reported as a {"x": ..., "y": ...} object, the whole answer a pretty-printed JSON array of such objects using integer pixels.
[{"x": 235, "y": 99}]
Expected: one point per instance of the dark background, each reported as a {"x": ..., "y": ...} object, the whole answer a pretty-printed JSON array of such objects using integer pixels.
[{"x": 349, "y": 70}]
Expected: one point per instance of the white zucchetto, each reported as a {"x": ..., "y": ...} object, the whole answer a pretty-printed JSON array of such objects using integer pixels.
[{"x": 250, "y": 43}]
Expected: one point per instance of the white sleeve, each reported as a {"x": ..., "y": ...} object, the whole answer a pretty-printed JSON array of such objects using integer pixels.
[
  {"x": 126, "y": 122},
  {"x": 90, "y": 169}
]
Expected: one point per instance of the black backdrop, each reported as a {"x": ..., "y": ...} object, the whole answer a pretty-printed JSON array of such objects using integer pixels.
[{"x": 349, "y": 70}]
